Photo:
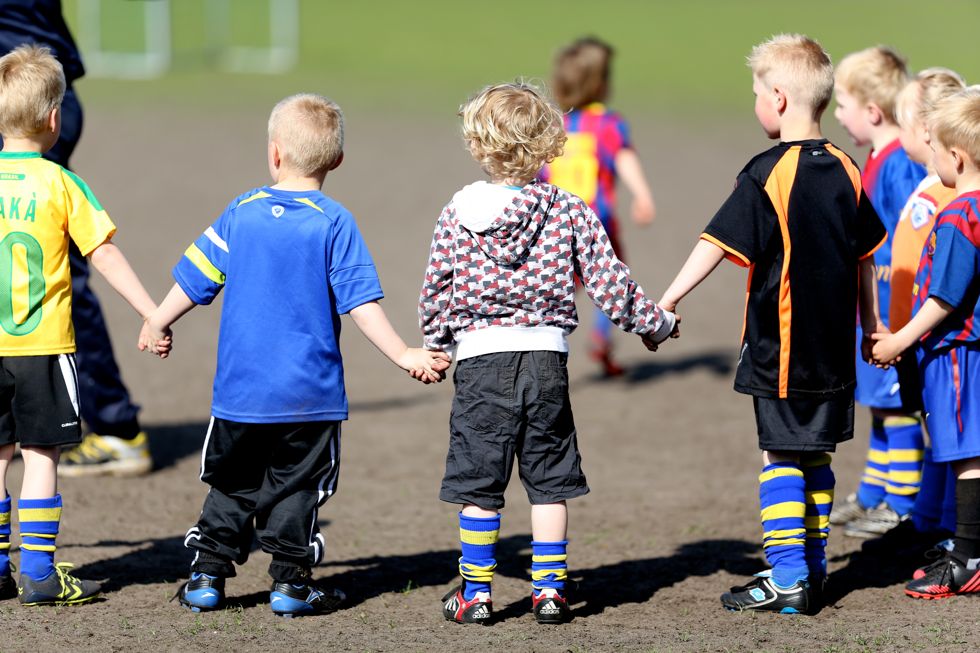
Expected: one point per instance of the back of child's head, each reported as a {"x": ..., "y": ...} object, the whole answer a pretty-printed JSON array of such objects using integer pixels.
[
  {"x": 581, "y": 73},
  {"x": 799, "y": 66},
  {"x": 955, "y": 122},
  {"x": 309, "y": 130},
  {"x": 32, "y": 84},
  {"x": 512, "y": 130},
  {"x": 921, "y": 95},
  {"x": 874, "y": 75}
]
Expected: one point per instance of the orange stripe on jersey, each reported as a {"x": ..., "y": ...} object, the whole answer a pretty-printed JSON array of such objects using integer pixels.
[
  {"x": 884, "y": 239},
  {"x": 852, "y": 170},
  {"x": 778, "y": 187},
  {"x": 732, "y": 254}
]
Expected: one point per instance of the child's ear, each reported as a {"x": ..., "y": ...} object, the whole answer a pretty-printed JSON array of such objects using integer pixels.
[
  {"x": 779, "y": 99},
  {"x": 54, "y": 119},
  {"x": 875, "y": 115},
  {"x": 336, "y": 164},
  {"x": 959, "y": 158}
]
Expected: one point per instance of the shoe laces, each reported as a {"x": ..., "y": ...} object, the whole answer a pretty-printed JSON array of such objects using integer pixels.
[{"x": 62, "y": 569}]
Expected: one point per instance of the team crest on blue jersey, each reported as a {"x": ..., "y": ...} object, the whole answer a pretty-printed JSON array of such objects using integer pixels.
[
  {"x": 921, "y": 212},
  {"x": 278, "y": 210}
]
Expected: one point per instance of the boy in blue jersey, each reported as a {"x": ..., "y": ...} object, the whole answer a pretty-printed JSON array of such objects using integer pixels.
[
  {"x": 866, "y": 86},
  {"x": 291, "y": 261},
  {"x": 947, "y": 322}
]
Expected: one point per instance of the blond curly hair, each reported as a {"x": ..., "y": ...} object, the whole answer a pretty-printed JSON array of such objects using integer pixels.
[{"x": 512, "y": 130}]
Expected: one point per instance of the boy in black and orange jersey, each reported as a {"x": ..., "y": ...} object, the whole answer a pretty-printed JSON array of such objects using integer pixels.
[{"x": 799, "y": 220}]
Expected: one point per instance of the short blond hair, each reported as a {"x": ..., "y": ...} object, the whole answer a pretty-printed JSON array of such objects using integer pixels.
[
  {"x": 921, "y": 95},
  {"x": 876, "y": 75},
  {"x": 799, "y": 66},
  {"x": 581, "y": 73},
  {"x": 309, "y": 130},
  {"x": 512, "y": 130},
  {"x": 32, "y": 84},
  {"x": 955, "y": 122}
]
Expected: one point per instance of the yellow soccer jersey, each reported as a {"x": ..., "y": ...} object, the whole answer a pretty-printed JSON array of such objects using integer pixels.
[{"x": 41, "y": 206}]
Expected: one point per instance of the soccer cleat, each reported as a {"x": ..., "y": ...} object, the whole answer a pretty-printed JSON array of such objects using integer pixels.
[
  {"x": 8, "y": 588},
  {"x": 107, "y": 455},
  {"x": 847, "y": 511},
  {"x": 762, "y": 594},
  {"x": 58, "y": 588},
  {"x": 944, "y": 578},
  {"x": 874, "y": 523},
  {"x": 903, "y": 541},
  {"x": 296, "y": 600},
  {"x": 201, "y": 593},
  {"x": 940, "y": 550},
  {"x": 478, "y": 610},
  {"x": 550, "y": 607}
]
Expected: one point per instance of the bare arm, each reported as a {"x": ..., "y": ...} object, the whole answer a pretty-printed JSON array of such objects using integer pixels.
[
  {"x": 630, "y": 170},
  {"x": 889, "y": 346},
  {"x": 704, "y": 258},
  {"x": 868, "y": 296},
  {"x": 111, "y": 264},
  {"x": 427, "y": 366}
]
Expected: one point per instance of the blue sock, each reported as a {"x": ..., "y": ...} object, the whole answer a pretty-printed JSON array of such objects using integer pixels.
[
  {"x": 478, "y": 539},
  {"x": 820, "y": 482},
  {"x": 549, "y": 568},
  {"x": 871, "y": 490},
  {"x": 782, "y": 496},
  {"x": 905, "y": 445},
  {"x": 927, "y": 511},
  {"x": 39, "y": 519},
  {"x": 5, "y": 536}
]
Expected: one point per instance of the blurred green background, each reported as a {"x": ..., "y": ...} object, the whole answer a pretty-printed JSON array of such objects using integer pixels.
[{"x": 684, "y": 58}]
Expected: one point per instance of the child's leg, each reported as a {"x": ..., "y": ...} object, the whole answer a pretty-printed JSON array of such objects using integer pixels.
[
  {"x": 782, "y": 496},
  {"x": 549, "y": 528},
  {"x": 871, "y": 490},
  {"x": 39, "y": 509},
  {"x": 949, "y": 500},
  {"x": 927, "y": 511},
  {"x": 966, "y": 542},
  {"x": 6, "y": 455},
  {"x": 479, "y": 531},
  {"x": 905, "y": 454},
  {"x": 819, "y": 480}
]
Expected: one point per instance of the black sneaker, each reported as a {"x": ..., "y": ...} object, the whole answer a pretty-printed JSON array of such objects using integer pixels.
[
  {"x": 550, "y": 607},
  {"x": 762, "y": 594},
  {"x": 59, "y": 588},
  {"x": 904, "y": 541},
  {"x": 8, "y": 588},
  {"x": 303, "y": 598},
  {"x": 944, "y": 578},
  {"x": 478, "y": 610},
  {"x": 201, "y": 593}
]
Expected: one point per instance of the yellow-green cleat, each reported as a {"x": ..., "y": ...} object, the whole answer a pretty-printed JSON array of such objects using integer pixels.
[
  {"x": 107, "y": 455},
  {"x": 59, "y": 588}
]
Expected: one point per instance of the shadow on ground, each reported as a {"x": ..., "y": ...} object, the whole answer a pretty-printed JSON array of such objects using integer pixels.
[{"x": 718, "y": 363}]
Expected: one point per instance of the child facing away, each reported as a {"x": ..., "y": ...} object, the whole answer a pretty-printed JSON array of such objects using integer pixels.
[
  {"x": 42, "y": 206},
  {"x": 291, "y": 261},
  {"x": 867, "y": 84},
  {"x": 598, "y": 151},
  {"x": 947, "y": 327},
  {"x": 799, "y": 220},
  {"x": 933, "y": 515},
  {"x": 499, "y": 289}
]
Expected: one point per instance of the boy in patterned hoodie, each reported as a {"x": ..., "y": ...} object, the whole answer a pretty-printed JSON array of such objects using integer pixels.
[{"x": 500, "y": 291}]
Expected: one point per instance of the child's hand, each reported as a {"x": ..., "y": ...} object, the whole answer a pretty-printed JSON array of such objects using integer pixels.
[
  {"x": 652, "y": 345},
  {"x": 157, "y": 341},
  {"x": 886, "y": 350},
  {"x": 868, "y": 342},
  {"x": 644, "y": 211},
  {"x": 425, "y": 365}
]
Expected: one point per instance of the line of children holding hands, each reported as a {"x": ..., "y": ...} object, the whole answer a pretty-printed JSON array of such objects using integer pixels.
[{"x": 498, "y": 293}]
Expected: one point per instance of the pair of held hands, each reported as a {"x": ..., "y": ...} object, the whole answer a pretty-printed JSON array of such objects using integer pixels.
[
  {"x": 881, "y": 348},
  {"x": 648, "y": 342},
  {"x": 158, "y": 343}
]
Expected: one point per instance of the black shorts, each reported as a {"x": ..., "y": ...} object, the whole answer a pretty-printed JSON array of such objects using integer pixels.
[
  {"x": 507, "y": 405},
  {"x": 804, "y": 424},
  {"x": 39, "y": 401}
]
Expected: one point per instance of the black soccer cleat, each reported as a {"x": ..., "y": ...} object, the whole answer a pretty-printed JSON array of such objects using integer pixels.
[
  {"x": 763, "y": 594},
  {"x": 201, "y": 593},
  {"x": 8, "y": 587},
  {"x": 304, "y": 598},
  {"x": 944, "y": 578},
  {"x": 478, "y": 610},
  {"x": 58, "y": 588},
  {"x": 550, "y": 607}
]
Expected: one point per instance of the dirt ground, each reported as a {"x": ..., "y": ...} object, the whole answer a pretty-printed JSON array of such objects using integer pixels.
[{"x": 669, "y": 450}]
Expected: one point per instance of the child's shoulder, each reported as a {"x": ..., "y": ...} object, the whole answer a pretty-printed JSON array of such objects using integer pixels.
[{"x": 266, "y": 198}]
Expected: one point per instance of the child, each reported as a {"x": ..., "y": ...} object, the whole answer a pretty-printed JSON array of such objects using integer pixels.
[
  {"x": 801, "y": 223},
  {"x": 500, "y": 290},
  {"x": 293, "y": 261},
  {"x": 946, "y": 322},
  {"x": 926, "y": 526},
  {"x": 598, "y": 150},
  {"x": 867, "y": 84},
  {"x": 42, "y": 206}
]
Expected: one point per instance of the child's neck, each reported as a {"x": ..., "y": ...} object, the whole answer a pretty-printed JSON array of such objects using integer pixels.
[
  {"x": 969, "y": 181},
  {"x": 298, "y": 183},
  {"x": 24, "y": 144},
  {"x": 883, "y": 135},
  {"x": 799, "y": 128}
]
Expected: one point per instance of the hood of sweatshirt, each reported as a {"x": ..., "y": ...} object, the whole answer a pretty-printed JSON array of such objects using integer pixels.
[{"x": 505, "y": 221}]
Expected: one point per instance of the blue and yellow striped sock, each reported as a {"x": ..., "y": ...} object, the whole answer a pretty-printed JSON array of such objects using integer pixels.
[
  {"x": 820, "y": 482},
  {"x": 5, "y": 536},
  {"x": 478, "y": 539},
  {"x": 871, "y": 490},
  {"x": 782, "y": 496},
  {"x": 549, "y": 566},
  {"x": 905, "y": 445},
  {"x": 927, "y": 511},
  {"x": 39, "y": 519}
]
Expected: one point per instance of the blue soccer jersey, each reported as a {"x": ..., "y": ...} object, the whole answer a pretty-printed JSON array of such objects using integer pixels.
[{"x": 291, "y": 263}]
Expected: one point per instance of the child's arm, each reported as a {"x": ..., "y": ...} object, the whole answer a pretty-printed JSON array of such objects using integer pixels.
[
  {"x": 630, "y": 170},
  {"x": 704, "y": 258},
  {"x": 157, "y": 327},
  {"x": 890, "y": 345},
  {"x": 868, "y": 309},
  {"x": 427, "y": 366}
]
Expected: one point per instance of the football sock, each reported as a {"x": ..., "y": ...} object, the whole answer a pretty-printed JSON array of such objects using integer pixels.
[
  {"x": 905, "y": 445},
  {"x": 820, "y": 482},
  {"x": 39, "y": 519},
  {"x": 5, "y": 536},
  {"x": 966, "y": 543},
  {"x": 871, "y": 490},
  {"x": 782, "y": 496},
  {"x": 478, "y": 538},
  {"x": 549, "y": 568},
  {"x": 949, "y": 501},
  {"x": 927, "y": 511}
]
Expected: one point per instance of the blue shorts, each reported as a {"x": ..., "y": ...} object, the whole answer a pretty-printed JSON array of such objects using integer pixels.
[
  {"x": 876, "y": 388},
  {"x": 952, "y": 402}
]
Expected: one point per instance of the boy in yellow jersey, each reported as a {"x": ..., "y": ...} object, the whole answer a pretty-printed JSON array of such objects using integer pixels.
[{"x": 42, "y": 205}]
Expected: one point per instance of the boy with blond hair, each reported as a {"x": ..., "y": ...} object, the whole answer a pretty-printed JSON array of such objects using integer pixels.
[
  {"x": 499, "y": 289},
  {"x": 867, "y": 84},
  {"x": 291, "y": 261},
  {"x": 947, "y": 327},
  {"x": 799, "y": 220},
  {"x": 42, "y": 206}
]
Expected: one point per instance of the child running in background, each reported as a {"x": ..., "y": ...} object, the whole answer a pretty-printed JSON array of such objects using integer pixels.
[
  {"x": 867, "y": 84},
  {"x": 799, "y": 220},
  {"x": 947, "y": 322},
  {"x": 598, "y": 151},
  {"x": 500, "y": 290}
]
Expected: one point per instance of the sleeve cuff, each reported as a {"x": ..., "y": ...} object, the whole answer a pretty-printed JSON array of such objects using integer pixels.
[
  {"x": 666, "y": 327},
  {"x": 732, "y": 254}
]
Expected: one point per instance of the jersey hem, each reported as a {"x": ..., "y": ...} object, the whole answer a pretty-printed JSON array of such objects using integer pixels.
[
  {"x": 327, "y": 416},
  {"x": 68, "y": 349}
]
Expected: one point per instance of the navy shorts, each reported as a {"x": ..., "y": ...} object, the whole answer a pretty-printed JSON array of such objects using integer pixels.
[
  {"x": 512, "y": 405},
  {"x": 794, "y": 424},
  {"x": 39, "y": 401}
]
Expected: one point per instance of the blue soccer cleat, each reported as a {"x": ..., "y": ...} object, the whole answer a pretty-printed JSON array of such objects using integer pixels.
[
  {"x": 305, "y": 598},
  {"x": 202, "y": 593}
]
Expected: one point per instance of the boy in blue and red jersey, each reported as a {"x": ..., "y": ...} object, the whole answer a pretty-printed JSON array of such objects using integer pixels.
[
  {"x": 598, "y": 150},
  {"x": 866, "y": 86},
  {"x": 947, "y": 322}
]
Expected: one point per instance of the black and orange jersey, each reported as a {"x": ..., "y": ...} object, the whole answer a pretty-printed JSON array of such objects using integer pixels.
[{"x": 799, "y": 220}]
